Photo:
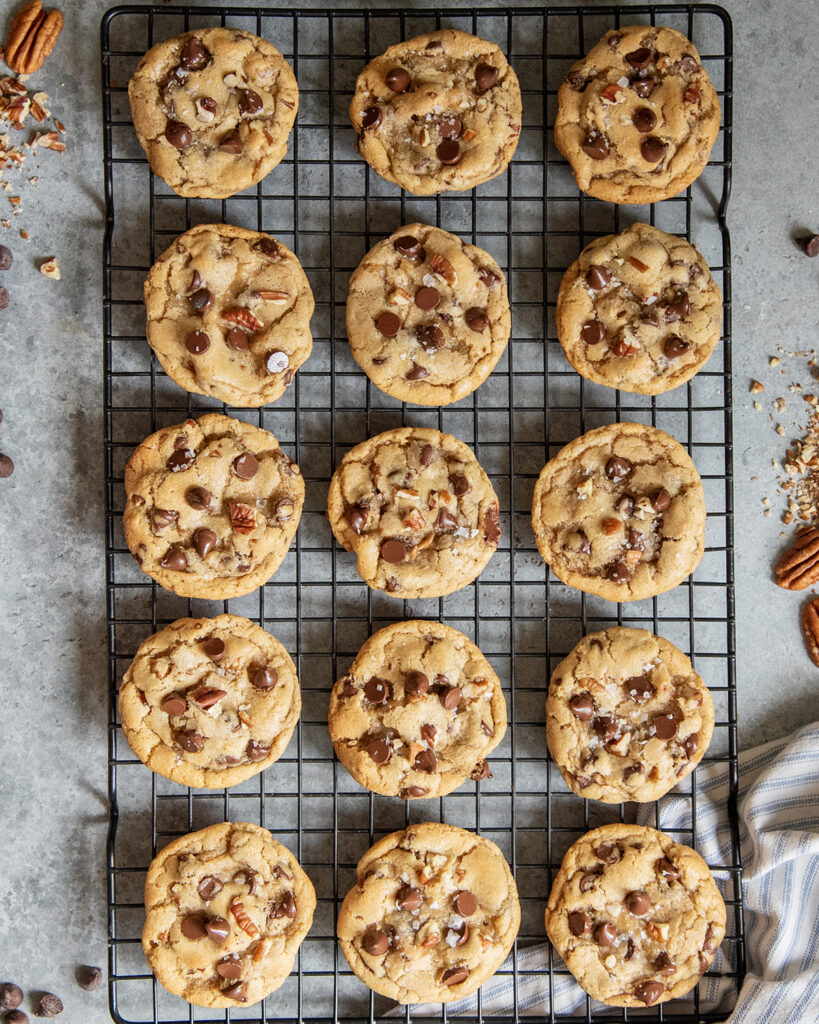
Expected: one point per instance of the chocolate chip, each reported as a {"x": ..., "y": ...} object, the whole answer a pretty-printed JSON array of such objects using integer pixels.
[
  {"x": 650, "y": 319},
  {"x": 686, "y": 65},
  {"x": 465, "y": 903},
  {"x": 488, "y": 277},
  {"x": 412, "y": 792},
  {"x": 690, "y": 744},
  {"x": 639, "y": 689},
  {"x": 230, "y": 968},
  {"x": 6, "y": 258},
  {"x": 11, "y": 996},
  {"x": 644, "y": 87},
  {"x": 605, "y": 727},
  {"x": 175, "y": 560},
  {"x": 619, "y": 571},
  {"x": 450, "y": 697},
  {"x": 174, "y": 704},
  {"x": 486, "y": 75},
  {"x": 459, "y": 484},
  {"x": 198, "y": 498},
  {"x": 636, "y": 540},
  {"x": 644, "y": 120},
  {"x": 491, "y": 525},
  {"x": 268, "y": 247},
  {"x": 398, "y": 79},
  {"x": 161, "y": 518},
  {"x": 417, "y": 372},
  {"x": 407, "y": 245},
  {"x": 375, "y": 942},
  {"x": 597, "y": 277},
  {"x": 653, "y": 149},
  {"x": 231, "y": 142},
  {"x": 238, "y": 991},
  {"x": 393, "y": 551},
  {"x": 661, "y": 500},
  {"x": 246, "y": 466},
  {"x": 667, "y": 869},
  {"x": 481, "y": 771},
  {"x": 448, "y": 152},
  {"x": 425, "y": 761},
  {"x": 607, "y": 852},
  {"x": 487, "y": 731},
  {"x": 665, "y": 726},
  {"x": 209, "y": 886},
  {"x": 237, "y": 340},
  {"x": 582, "y": 706},
  {"x": 276, "y": 361},
  {"x": 427, "y": 298},
  {"x": 178, "y": 134},
  {"x": 809, "y": 244},
  {"x": 427, "y": 455},
  {"x": 445, "y": 522},
  {"x": 379, "y": 751},
  {"x": 664, "y": 964},
  {"x": 618, "y": 469},
  {"x": 476, "y": 319},
  {"x": 286, "y": 906},
  {"x": 633, "y": 769},
  {"x": 638, "y": 903},
  {"x": 250, "y": 102},
  {"x": 450, "y": 127},
  {"x": 190, "y": 740},
  {"x": 371, "y": 118},
  {"x": 197, "y": 342},
  {"x": 640, "y": 58},
  {"x": 214, "y": 648},
  {"x": 49, "y": 1006},
  {"x": 596, "y": 147},
  {"x": 193, "y": 56},
  {"x": 679, "y": 309},
  {"x": 416, "y": 684},
  {"x": 204, "y": 541},
  {"x": 455, "y": 975},
  {"x": 593, "y": 332},
  {"x": 588, "y": 882},
  {"x": 179, "y": 460},
  {"x": 577, "y": 80},
  {"x": 256, "y": 751},
  {"x": 579, "y": 923},
  {"x": 265, "y": 678},
  {"x": 201, "y": 300},
  {"x": 649, "y": 992},
  {"x": 193, "y": 927},
  {"x": 356, "y": 519},
  {"x": 4, "y": 298},
  {"x": 388, "y": 324},
  {"x": 377, "y": 691},
  {"x": 17, "y": 1016},
  {"x": 409, "y": 898},
  {"x": 604, "y": 934},
  {"x": 675, "y": 347}
]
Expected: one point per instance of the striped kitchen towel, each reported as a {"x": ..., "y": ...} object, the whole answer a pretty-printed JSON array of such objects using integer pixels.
[{"x": 779, "y": 826}]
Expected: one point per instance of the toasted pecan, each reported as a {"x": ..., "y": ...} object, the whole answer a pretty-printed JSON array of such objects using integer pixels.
[
  {"x": 798, "y": 568},
  {"x": 32, "y": 37},
  {"x": 810, "y": 627}
]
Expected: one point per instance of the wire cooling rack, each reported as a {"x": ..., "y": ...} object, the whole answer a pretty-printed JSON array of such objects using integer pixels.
[{"x": 324, "y": 202}]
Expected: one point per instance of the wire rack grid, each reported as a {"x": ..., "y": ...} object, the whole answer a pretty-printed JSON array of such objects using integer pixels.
[{"x": 324, "y": 203}]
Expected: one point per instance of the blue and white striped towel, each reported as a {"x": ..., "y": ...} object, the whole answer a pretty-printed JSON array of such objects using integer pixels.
[{"x": 779, "y": 824}]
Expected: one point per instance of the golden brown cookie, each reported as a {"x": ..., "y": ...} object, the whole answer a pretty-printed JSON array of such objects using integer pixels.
[
  {"x": 433, "y": 914},
  {"x": 210, "y": 702},
  {"x": 439, "y": 112},
  {"x": 229, "y": 314},
  {"x": 636, "y": 917},
  {"x": 211, "y": 506},
  {"x": 213, "y": 110},
  {"x": 620, "y": 512},
  {"x": 639, "y": 311},
  {"x": 427, "y": 315},
  {"x": 637, "y": 116},
  {"x": 627, "y": 717},
  {"x": 418, "y": 511},
  {"x": 226, "y": 909},
  {"x": 418, "y": 712}
]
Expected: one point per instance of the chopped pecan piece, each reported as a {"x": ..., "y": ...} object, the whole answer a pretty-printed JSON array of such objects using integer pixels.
[
  {"x": 441, "y": 266},
  {"x": 810, "y": 627}
]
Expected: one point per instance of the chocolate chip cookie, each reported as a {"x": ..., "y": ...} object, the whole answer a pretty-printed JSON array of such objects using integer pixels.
[
  {"x": 627, "y": 717},
  {"x": 638, "y": 116},
  {"x": 213, "y": 110},
  {"x": 418, "y": 511},
  {"x": 433, "y": 914},
  {"x": 210, "y": 702},
  {"x": 639, "y": 311},
  {"x": 620, "y": 512},
  {"x": 636, "y": 917},
  {"x": 427, "y": 315},
  {"x": 211, "y": 506},
  {"x": 439, "y": 112},
  {"x": 229, "y": 314},
  {"x": 418, "y": 712},
  {"x": 227, "y": 909}
]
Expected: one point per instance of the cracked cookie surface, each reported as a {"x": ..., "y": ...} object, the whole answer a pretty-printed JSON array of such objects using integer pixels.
[
  {"x": 636, "y": 917},
  {"x": 438, "y": 112},
  {"x": 433, "y": 914},
  {"x": 213, "y": 110},
  {"x": 627, "y": 717},
  {"x": 229, "y": 314},
  {"x": 211, "y": 506},
  {"x": 620, "y": 512},
  {"x": 639, "y": 311},
  {"x": 226, "y": 911},
  {"x": 210, "y": 702},
  {"x": 427, "y": 315},
  {"x": 418, "y": 511},
  {"x": 637, "y": 117},
  {"x": 418, "y": 712}
]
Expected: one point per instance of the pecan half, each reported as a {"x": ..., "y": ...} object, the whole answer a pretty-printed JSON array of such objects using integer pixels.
[
  {"x": 32, "y": 37},
  {"x": 242, "y": 517},
  {"x": 242, "y": 317},
  {"x": 798, "y": 568},
  {"x": 810, "y": 627},
  {"x": 441, "y": 266}
]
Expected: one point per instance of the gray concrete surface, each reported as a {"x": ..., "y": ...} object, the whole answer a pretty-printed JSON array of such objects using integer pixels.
[{"x": 53, "y": 672}]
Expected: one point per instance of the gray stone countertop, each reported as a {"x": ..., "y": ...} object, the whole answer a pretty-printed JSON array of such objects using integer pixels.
[{"x": 53, "y": 740}]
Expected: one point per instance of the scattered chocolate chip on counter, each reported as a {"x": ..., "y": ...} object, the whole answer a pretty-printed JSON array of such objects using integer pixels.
[
  {"x": 49, "y": 1006},
  {"x": 6, "y": 258},
  {"x": 6, "y": 469},
  {"x": 10, "y": 996},
  {"x": 16, "y": 1017},
  {"x": 4, "y": 298},
  {"x": 809, "y": 244},
  {"x": 89, "y": 978}
]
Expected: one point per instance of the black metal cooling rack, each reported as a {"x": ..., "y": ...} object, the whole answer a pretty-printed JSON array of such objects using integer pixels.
[{"x": 324, "y": 202}]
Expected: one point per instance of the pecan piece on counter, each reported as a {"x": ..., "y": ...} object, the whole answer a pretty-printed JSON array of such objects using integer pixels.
[
  {"x": 32, "y": 37},
  {"x": 810, "y": 627},
  {"x": 798, "y": 568}
]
